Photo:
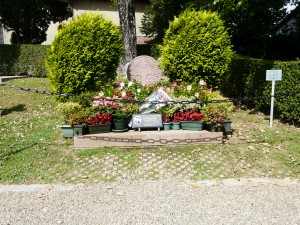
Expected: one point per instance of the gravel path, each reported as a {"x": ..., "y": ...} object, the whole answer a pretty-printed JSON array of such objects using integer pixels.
[{"x": 171, "y": 201}]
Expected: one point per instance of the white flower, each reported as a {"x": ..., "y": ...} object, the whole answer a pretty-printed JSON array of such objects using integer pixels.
[
  {"x": 138, "y": 90},
  {"x": 202, "y": 82},
  {"x": 129, "y": 83},
  {"x": 101, "y": 94},
  {"x": 197, "y": 94},
  {"x": 123, "y": 93},
  {"x": 121, "y": 85},
  {"x": 189, "y": 87}
]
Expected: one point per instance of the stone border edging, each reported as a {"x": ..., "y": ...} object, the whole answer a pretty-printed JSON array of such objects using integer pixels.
[
  {"x": 6, "y": 78},
  {"x": 194, "y": 184}
]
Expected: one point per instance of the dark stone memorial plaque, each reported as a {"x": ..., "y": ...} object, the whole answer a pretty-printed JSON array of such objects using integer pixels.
[{"x": 147, "y": 120}]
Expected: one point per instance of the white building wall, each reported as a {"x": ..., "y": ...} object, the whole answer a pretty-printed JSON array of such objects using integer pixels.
[
  {"x": 5, "y": 36},
  {"x": 102, "y": 7}
]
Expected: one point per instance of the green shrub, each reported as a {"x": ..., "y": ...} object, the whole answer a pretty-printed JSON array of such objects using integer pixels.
[
  {"x": 286, "y": 105},
  {"x": 23, "y": 59},
  {"x": 197, "y": 46},
  {"x": 67, "y": 110},
  {"x": 84, "y": 55},
  {"x": 248, "y": 78}
]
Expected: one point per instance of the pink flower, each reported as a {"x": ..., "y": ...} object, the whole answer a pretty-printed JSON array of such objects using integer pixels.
[
  {"x": 204, "y": 91},
  {"x": 210, "y": 90},
  {"x": 168, "y": 89},
  {"x": 95, "y": 103},
  {"x": 174, "y": 84},
  {"x": 109, "y": 103}
]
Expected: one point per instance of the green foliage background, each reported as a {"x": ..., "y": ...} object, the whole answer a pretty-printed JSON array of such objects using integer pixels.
[
  {"x": 23, "y": 59},
  {"x": 196, "y": 46},
  {"x": 84, "y": 55}
]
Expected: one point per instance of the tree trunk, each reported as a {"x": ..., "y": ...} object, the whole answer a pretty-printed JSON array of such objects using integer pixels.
[{"x": 126, "y": 10}]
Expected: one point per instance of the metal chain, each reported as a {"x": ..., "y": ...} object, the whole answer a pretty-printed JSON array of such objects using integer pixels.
[
  {"x": 241, "y": 99},
  {"x": 152, "y": 141}
]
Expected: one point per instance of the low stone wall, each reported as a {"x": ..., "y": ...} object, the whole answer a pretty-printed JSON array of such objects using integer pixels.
[{"x": 147, "y": 138}]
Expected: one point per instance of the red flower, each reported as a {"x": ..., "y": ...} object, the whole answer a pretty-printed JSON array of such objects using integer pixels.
[
  {"x": 104, "y": 118},
  {"x": 166, "y": 119},
  {"x": 90, "y": 120},
  {"x": 192, "y": 115}
]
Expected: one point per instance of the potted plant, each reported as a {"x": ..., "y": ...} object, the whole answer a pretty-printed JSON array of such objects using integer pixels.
[
  {"x": 218, "y": 115},
  {"x": 78, "y": 121},
  {"x": 166, "y": 112},
  {"x": 176, "y": 121},
  {"x": 99, "y": 123},
  {"x": 166, "y": 122},
  {"x": 68, "y": 109},
  {"x": 214, "y": 121},
  {"x": 121, "y": 114},
  {"x": 191, "y": 119}
]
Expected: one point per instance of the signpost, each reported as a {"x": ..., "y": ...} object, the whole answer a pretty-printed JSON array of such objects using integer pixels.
[{"x": 273, "y": 75}]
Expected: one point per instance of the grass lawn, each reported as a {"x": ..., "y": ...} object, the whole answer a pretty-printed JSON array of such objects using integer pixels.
[{"x": 32, "y": 149}]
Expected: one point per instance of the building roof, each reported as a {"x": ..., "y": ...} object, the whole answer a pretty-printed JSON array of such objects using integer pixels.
[{"x": 144, "y": 40}]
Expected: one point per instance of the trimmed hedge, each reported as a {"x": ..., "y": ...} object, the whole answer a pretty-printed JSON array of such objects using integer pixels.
[
  {"x": 197, "y": 47},
  {"x": 248, "y": 78},
  {"x": 84, "y": 55},
  {"x": 23, "y": 59}
]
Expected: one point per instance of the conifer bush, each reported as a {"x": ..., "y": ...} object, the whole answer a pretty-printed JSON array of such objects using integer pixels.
[
  {"x": 196, "y": 47},
  {"x": 84, "y": 55}
]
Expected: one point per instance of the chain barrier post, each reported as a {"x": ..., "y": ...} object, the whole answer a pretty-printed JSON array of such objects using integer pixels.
[{"x": 273, "y": 75}]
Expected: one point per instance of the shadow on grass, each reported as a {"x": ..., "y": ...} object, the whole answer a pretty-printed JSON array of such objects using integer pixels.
[
  {"x": 17, "y": 108},
  {"x": 6, "y": 155}
]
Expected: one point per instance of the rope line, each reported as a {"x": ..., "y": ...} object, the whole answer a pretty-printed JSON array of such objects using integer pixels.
[{"x": 240, "y": 99}]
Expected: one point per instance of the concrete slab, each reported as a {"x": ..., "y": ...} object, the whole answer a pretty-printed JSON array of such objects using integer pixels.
[
  {"x": 147, "y": 138},
  {"x": 6, "y": 78}
]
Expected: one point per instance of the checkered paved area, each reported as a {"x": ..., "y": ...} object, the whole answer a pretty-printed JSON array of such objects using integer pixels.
[{"x": 194, "y": 163}]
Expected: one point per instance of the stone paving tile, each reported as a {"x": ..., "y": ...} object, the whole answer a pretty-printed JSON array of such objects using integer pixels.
[{"x": 152, "y": 165}]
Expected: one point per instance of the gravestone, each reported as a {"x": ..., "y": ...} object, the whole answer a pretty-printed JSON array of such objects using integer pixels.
[{"x": 144, "y": 69}]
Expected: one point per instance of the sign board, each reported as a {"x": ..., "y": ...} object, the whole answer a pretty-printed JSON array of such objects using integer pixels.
[
  {"x": 273, "y": 75},
  {"x": 149, "y": 120}
]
